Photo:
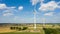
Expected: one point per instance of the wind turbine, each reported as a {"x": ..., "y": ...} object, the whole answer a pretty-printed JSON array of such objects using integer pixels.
[
  {"x": 34, "y": 19},
  {"x": 43, "y": 18},
  {"x": 35, "y": 12}
]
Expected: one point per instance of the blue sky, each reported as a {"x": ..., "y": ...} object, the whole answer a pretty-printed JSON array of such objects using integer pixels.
[{"x": 21, "y": 11}]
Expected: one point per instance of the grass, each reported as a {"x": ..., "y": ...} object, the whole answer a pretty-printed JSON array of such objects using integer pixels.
[
  {"x": 21, "y": 33},
  {"x": 52, "y": 31}
]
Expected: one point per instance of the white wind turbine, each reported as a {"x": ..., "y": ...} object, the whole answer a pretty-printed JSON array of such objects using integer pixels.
[
  {"x": 43, "y": 18},
  {"x": 35, "y": 12},
  {"x": 34, "y": 19}
]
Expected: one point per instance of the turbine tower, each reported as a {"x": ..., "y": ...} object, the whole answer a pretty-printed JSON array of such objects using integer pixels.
[
  {"x": 34, "y": 19},
  {"x": 44, "y": 21}
]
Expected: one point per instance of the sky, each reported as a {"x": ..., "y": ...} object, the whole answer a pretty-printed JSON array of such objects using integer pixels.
[{"x": 22, "y": 11}]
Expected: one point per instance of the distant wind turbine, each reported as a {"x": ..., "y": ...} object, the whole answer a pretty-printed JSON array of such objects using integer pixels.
[{"x": 43, "y": 18}]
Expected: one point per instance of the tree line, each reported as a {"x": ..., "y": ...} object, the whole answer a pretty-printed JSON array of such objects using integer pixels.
[{"x": 19, "y": 28}]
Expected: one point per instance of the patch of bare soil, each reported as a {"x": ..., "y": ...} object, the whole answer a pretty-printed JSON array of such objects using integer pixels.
[{"x": 5, "y": 29}]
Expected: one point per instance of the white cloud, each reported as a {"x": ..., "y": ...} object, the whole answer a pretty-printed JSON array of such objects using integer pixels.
[
  {"x": 7, "y": 14},
  {"x": 7, "y": 11},
  {"x": 50, "y": 6},
  {"x": 20, "y": 8},
  {"x": 49, "y": 14},
  {"x": 13, "y": 7},
  {"x": 34, "y": 2},
  {"x": 2, "y": 6}
]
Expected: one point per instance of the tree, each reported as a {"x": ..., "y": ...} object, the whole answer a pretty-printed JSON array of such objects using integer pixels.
[
  {"x": 24, "y": 28},
  {"x": 12, "y": 28}
]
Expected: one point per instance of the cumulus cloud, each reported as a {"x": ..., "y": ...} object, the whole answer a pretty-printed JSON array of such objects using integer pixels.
[
  {"x": 20, "y": 8},
  {"x": 50, "y": 6},
  {"x": 7, "y": 11},
  {"x": 2, "y": 6}
]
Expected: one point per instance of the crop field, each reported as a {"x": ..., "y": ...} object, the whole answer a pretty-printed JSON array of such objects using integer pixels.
[{"x": 29, "y": 29}]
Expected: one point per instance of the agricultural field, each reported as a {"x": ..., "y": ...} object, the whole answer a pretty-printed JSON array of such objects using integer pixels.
[
  {"x": 20, "y": 33},
  {"x": 29, "y": 29}
]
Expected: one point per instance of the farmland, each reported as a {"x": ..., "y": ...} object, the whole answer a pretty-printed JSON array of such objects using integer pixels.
[{"x": 29, "y": 29}]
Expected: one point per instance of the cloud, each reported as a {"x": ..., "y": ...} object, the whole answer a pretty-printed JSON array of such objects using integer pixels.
[
  {"x": 34, "y": 2},
  {"x": 50, "y": 6},
  {"x": 2, "y": 6},
  {"x": 49, "y": 14},
  {"x": 7, "y": 11},
  {"x": 8, "y": 14},
  {"x": 20, "y": 8},
  {"x": 5, "y": 7},
  {"x": 13, "y": 7}
]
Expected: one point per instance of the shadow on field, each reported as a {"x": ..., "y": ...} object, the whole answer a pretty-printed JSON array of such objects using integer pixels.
[{"x": 52, "y": 30}]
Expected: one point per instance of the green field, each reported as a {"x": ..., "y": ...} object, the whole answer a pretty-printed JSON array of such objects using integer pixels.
[{"x": 52, "y": 31}]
